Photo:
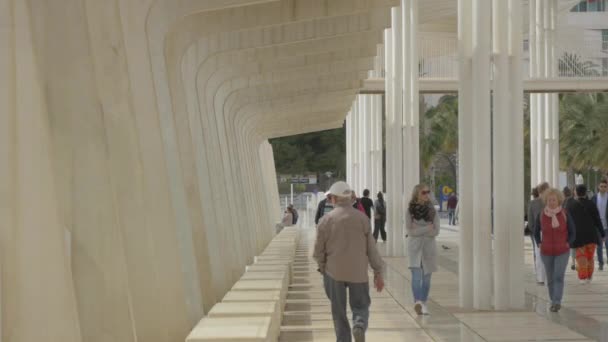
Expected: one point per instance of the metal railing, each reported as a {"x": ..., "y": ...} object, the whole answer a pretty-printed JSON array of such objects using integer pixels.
[{"x": 586, "y": 58}]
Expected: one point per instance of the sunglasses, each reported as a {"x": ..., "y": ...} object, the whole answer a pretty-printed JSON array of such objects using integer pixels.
[{"x": 425, "y": 192}]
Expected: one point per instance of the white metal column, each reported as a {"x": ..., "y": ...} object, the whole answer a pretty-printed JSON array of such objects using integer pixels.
[
  {"x": 482, "y": 197},
  {"x": 378, "y": 115},
  {"x": 465, "y": 153},
  {"x": 349, "y": 148},
  {"x": 534, "y": 114},
  {"x": 516, "y": 239},
  {"x": 389, "y": 124},
  {"x": 397, "y": 195},
  {"x": 501, "y": 135},
  {"x": 411, "y": 145},
  {"x": 508, "y": 154}
]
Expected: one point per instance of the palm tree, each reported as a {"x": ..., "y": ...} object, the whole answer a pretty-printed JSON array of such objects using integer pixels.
[
  {"x": 571, "y": 65},
  {"x": 583, "y": 131},
  {"x": 439, "y": 134}
]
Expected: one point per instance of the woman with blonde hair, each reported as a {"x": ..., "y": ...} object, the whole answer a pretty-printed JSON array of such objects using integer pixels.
[
  {"x": 422, "y": 226},
  {"x": 554, "y": 234}
]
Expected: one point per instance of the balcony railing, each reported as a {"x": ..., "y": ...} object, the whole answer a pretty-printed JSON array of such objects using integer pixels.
[{"x": 438, "y": 59}]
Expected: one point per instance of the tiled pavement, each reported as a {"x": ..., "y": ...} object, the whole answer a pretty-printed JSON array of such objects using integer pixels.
[{"x": 584, "y": 316}]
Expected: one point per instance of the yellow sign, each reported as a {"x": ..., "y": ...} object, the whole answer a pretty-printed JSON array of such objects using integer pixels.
[{"x": 447, "y": 190}]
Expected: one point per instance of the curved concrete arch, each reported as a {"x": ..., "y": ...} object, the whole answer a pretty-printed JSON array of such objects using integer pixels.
[
  {"x": 321, "y": 78},
  {"x": 251, "y": 115}
]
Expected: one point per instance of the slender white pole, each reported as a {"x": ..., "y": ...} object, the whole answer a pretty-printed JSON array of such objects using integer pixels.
[
  {"x": 465, "y": 153},
  {"x": 553, "y": 98},
  {"x": 516, "y": 239},
  {"x": 349, "y": 148},
  {"x": 532, "y": 49},
  {"x": 406, "y": 76},
  {"x": 482, "y": 198},
  {"x": 389, "y": 122},
  {"x": 502, "y": 163},
  {"x": 397, "y": 197},
  {"x": 291, "y": 193},
  {"x": 540, "y": 51},
  {"x": 414, "y": 94}
]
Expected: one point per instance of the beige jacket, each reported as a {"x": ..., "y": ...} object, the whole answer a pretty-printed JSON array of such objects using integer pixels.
[{"x": 345, "y": 246}]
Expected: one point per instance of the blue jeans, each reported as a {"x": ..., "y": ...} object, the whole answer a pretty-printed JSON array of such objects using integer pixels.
[
  {"x": 555, "y": 267},
  {"x": 421, "y": 284},
  {"x": 452, "y": 217},
  {"x": 359, "y": 299},
  {"x": 600, "y": 251}
]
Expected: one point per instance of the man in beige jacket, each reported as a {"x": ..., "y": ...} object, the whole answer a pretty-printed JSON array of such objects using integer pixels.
[{"x": 343, "y": 249}]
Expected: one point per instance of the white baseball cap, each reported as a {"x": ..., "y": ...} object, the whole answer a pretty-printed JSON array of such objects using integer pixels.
[{"x": 340, "y": 189}]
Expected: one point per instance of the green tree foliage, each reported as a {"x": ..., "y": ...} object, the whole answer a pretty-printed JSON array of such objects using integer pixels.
[
  {"x": 439, "y": 135},
  {"x": 316, "y": 152},
  {"x": 584, "y": 131}
]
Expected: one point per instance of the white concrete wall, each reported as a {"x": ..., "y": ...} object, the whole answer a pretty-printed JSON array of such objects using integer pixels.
[{"x": 141, "y": 127}]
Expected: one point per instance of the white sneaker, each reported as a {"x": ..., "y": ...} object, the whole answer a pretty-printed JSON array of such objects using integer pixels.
[
  {"x": 425, "y": 309},
  {"x": 418, "y": 308},
  {"x": 583, "y": 281}
]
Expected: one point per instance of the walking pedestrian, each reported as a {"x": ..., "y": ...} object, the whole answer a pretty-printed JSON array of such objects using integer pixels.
[
  {"x": 367, "y": 203},
  {"x": 357, "y": 202},
  {"x": 324, "y": 207},
  {"x": 568, "y": 202},
  {"x": 422, "y": 226},
  {"x": 589, "y": 233},
  {"x": 535, "y": 207},
  {"x": 379, "y": 217},
  {"x": 452, "y": 203},
  {"x": 601, "y": 201},
  {"x": 343, "y": 249},
  {"x": 554, "y": 234}
]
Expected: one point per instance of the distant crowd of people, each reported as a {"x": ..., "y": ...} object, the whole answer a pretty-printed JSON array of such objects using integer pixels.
[
  {"x": 565, "y": 224},
  {"x": 345, "y": 246},
  {"x": 364, "y": 205}
]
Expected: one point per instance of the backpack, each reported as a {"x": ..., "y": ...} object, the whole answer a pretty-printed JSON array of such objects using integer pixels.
[
  {"x": 295, "y": 216},
  {"x": 360, "y": 206}
]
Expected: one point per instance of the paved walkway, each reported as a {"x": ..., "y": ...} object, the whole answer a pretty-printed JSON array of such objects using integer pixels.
[{"x": 583, "y": 318}]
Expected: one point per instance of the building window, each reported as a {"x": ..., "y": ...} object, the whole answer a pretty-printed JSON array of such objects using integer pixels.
[
  {"x": 591, "y": 6},
  {"x": 605, "y": 40},
  {"x": 604, "y": 66}
]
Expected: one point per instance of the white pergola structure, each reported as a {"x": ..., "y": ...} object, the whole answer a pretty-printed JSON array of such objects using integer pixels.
[
  {"x": 483, "y": 63},
  {"x": 136, "y": 177}
]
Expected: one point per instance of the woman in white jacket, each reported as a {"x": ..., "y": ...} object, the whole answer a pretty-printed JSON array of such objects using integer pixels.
[{"x": 422, "y": 226}]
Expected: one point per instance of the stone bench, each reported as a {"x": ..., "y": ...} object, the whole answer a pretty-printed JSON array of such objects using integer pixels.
[
  {"x": 265, "y": 268},
  {"x": 251, "y": 309},
  {"x": 233, "y": 329}
]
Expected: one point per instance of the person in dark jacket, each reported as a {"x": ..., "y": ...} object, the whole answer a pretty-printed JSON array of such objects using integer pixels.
[
  {"x": 324, "y": 207},
  {"x": 588, "y": 231},
  {"x": 452, "y": 203},
  {"x": 554, "y": 234},
  {"x": 601, "y": 201},
  {"x": 535, "y": 207},
  {"x": 568, "y": 201},
  {"x": 379, "y": 217},
  {"x": 367, "y": 203}
]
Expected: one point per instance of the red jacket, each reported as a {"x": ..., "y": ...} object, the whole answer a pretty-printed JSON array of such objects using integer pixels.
[{"x": 555, "y": 241}]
